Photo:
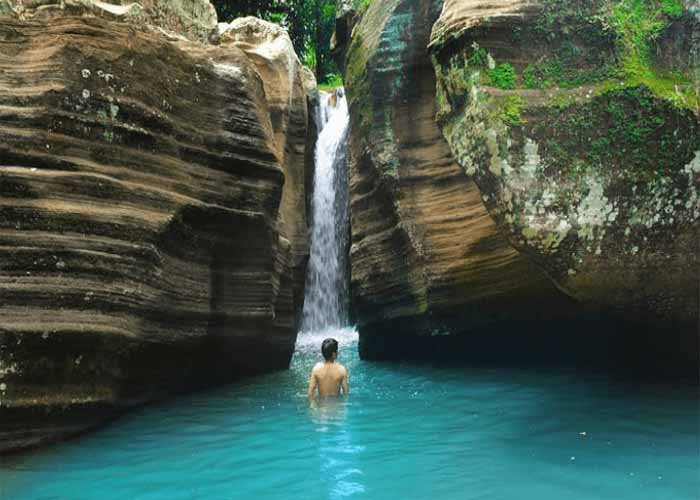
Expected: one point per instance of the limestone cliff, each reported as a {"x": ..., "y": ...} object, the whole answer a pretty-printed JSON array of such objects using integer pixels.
[
  {"x": 427, "y": 259},
  {"x": 564, "y": 184},
  {"x": 153, "y": 230},
  {"x": 585, "y": 148}
]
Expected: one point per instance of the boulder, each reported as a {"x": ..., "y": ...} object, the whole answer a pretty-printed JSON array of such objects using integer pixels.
[
  {"x": 152, "y": 214},
  {"x": 586, "y": 150}
]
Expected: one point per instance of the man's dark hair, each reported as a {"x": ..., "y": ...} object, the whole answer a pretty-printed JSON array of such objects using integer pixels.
[{"x": 329, "y": 347}]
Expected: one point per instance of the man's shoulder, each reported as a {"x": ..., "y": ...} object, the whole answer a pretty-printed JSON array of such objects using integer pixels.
[
  {"x": 317, "y": 366},
  {"x": 342, "y": 369}
]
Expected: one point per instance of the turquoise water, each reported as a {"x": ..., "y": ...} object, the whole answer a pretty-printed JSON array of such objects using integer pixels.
[{"x": 406, "y": 432}]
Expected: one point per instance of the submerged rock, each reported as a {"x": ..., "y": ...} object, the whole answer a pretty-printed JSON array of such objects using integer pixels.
[
  {"x": 153, "y": 229},
  {"x": 564, "y": 186}
]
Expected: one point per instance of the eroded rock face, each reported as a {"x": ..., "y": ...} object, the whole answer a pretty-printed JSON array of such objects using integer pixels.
[
  {"x": 586, "y": 153},
  {"x": 194, "y": 19},
  {"x": 152, "y": 215},
  {"x": 568, "y": 187},
  {"x": 429, "y": 266}
]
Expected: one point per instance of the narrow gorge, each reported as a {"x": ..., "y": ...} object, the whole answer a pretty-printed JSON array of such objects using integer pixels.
[{"x": 499, "y": 191}]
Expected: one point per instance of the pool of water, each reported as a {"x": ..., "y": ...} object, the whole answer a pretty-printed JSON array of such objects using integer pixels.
[{"x": 406, "y": 432}]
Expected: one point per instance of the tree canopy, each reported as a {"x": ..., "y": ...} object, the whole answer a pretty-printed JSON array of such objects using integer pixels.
[{"x": 310, "y": 24}]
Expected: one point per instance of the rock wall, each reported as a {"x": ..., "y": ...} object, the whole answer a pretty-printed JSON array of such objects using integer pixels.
[
  {"x": 559, "y": 204},
  {"x": 152, "y": 214},
  {"x": 193, "y": 19},
  {"x": 427, "y": 259}
]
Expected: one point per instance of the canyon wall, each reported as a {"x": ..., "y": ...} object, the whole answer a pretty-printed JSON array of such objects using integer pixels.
[
  {"x": 153, "y": 229},
  {"x": 524, "y": 179}
]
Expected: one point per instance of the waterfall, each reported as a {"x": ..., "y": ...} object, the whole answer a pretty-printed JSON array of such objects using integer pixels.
[{"x": 326, "y": 282}]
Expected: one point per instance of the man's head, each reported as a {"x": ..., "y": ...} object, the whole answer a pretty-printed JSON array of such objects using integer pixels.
[{"x": 329, "y": 348}]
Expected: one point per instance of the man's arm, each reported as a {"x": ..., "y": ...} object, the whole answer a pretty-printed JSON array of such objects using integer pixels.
[
  {"x": 312, "y": 384},
  {"x": 344, "y": 383}
]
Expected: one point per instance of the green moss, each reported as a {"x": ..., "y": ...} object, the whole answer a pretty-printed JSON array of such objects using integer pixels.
[
  {"x": 636, "y": 24},
  {"x": 571, "y": 65},
  {"x": 672, "y": 8},
  {"x": 361, "y": 5},
  {"x": 554, "y": 72},
  {"x": 580, "y": 33},
  {"x": 503, "y": 76},
  {"x": 671, "y": 86},
  {"x": 357, "y": 83},
  {"x": 628, "y": 130},
  {"x": 479, "y": 56},
  {"x": 511, "y": 110},
  {"x": 575, "y": 17},
  {"x": 455, "y": 79}
]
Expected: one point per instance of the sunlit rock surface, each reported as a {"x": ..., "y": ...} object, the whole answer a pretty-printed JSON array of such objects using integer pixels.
[
  {"x": 194, "y": 19},
  {"x": 152, "y": 214},
  {"x": 568, "y": 192}
]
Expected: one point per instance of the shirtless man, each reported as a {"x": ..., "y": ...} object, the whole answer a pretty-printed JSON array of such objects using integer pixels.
[{"x": 330, "y": 376}]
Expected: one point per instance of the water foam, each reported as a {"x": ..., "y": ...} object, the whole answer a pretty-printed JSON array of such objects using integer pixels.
[{"x": 326, "y": 284}]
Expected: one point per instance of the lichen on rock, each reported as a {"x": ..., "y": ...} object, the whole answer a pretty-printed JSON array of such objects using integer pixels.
[{"x": 587, "y": 172}]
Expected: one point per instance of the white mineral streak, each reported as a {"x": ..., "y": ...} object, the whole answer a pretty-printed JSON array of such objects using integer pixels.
[{"x": 228, "y": 70}]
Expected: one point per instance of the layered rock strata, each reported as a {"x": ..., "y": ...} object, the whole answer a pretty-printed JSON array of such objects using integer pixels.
[
  {"x": 153, "y": 231},
  {"x": 564, "y": 185},
  {"x": 585, "y": 148},
  {"x": 428, "y": 262}
]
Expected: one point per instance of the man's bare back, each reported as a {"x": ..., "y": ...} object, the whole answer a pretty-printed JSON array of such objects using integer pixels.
[{"x": 329, "y": 377}]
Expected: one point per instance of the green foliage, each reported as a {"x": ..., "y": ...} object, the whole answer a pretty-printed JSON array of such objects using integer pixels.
[
  {"x": 511, "y": 109},
  {"x": 503, "y": 76},
  {"x": 672, "y": 8},
  {"x": 479, "y": 56},
  {"x": 309, "y": 56},
  {"x": 333, "y": 81},
  {"x": 637, "y": 24},
  {"x": 623, "y": 127},
  {"x": 616, "y": 39},
  {"x": 361, "y": 5},
  {"x": 554, "y": 72},
  {"x": 564, "y": 19},
  {"x": 456, "y": 78}
]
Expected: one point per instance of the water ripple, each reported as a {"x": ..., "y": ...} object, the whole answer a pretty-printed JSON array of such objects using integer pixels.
[{"x": 405, "y": 432}]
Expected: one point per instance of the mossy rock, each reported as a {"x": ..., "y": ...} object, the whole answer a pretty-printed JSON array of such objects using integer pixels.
[{"x": 591, "y": 161}]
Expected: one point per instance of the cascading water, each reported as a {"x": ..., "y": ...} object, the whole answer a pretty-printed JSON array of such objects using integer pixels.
[{"x": 326, "y": 282}]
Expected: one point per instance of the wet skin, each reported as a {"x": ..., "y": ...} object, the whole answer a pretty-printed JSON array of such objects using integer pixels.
[{"x": 330, "y": 378}]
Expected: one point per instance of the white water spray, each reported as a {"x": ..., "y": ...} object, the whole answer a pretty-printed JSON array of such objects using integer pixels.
[{"x": 326, "y": 283}]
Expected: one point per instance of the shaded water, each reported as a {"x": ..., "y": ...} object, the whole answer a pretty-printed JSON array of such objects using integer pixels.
[{"x": 406, "y": 432}]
